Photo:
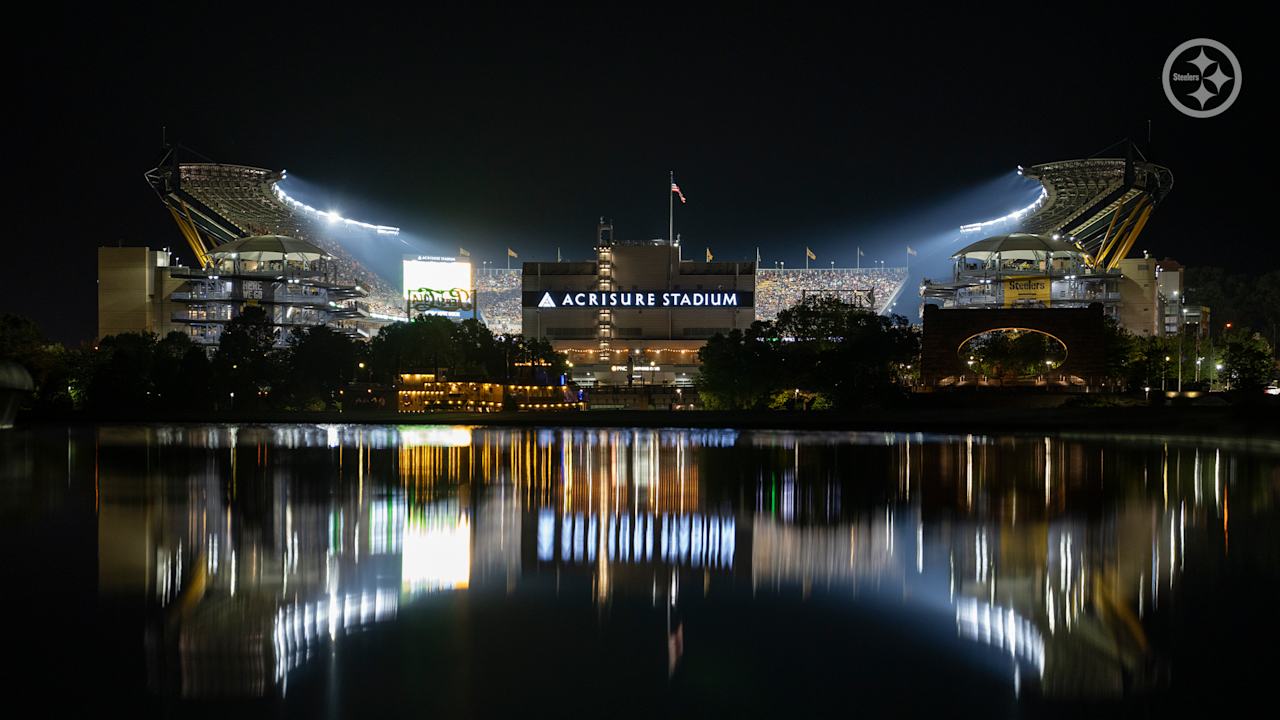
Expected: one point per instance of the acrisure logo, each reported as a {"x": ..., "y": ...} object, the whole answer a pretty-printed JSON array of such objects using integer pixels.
[{"x": 1202, "y": 78}]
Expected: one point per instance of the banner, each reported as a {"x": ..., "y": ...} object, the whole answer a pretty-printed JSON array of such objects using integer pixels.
[{"x": 1026, "y": 290}]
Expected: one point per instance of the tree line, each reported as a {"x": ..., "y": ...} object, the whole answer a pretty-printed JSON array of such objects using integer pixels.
[
  {"x": 313, "y": 368},
  {"x": 824, "y": 353},
  {"x": 820, "y": 354}
]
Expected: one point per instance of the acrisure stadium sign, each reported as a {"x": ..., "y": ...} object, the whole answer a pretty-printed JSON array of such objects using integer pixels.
[{"x": 556, "y": 299}]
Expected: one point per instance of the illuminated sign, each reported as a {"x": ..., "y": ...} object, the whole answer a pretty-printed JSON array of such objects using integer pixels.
[
  {"x": 554, "y": 299},
  {"x": 437, "y": 286},
  {"x": 638, "y": 368},
  {"x": 1034, "y": 289}
]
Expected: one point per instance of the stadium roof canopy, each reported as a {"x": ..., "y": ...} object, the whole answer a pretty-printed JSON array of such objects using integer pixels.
[
  {"x": 1100, "y": 204},
  {"x": 1017, "y": 241},
  {"x": 269, "y": 247}
]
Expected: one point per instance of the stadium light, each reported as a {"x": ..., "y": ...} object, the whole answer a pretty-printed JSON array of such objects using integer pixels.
[
  {"x": 1015, "y": 215},
  {"x": 333, "y": 216}
]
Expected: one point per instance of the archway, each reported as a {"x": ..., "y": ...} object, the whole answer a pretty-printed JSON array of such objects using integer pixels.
[
  {"x": 1079, "y": 330},
  {"x": 1012, "y": 354}
]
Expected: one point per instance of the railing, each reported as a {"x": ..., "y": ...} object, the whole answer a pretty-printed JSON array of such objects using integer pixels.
[
  {"x": 202, "y": 295},
  {"x": 199, "y": 317}
]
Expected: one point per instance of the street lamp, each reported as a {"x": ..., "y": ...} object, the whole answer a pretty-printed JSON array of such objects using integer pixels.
[{"x": 1164, "y": 374}]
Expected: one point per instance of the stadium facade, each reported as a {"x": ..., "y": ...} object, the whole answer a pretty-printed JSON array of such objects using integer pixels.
[{"x": 637, "y": 314}]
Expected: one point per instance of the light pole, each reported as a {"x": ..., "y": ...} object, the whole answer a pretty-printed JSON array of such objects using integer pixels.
[
  {"x": 1198, "y": 361},
  {"x": 1182, "y": 331},
  {"x": 1164, "y": 374}
]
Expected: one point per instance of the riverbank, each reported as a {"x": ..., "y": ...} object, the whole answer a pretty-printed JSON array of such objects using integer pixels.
[{"x": 1261, "y": 420}]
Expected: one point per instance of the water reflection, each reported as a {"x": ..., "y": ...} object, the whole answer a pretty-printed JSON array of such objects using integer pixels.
[{"x": 258, "y": 549}]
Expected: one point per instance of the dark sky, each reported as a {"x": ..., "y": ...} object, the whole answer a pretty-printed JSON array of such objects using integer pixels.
[{"x": 785, "y": 127}]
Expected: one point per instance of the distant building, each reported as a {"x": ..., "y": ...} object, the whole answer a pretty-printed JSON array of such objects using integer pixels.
[
  {"x": 1172, "y": 282},
  {"x": 1142, "y": 305},
  {"x": 424, "y": 392},
  {"x": 134, "y": 289}
]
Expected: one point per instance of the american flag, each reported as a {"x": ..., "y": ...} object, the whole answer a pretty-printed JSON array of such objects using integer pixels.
[{"x": 676, "y": 189}]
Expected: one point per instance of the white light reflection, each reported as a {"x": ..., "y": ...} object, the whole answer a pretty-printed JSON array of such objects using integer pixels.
[{"x": 1003, "y": 628}]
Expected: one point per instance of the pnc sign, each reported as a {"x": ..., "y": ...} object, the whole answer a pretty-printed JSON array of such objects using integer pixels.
[{"x": 555, "y": 299}]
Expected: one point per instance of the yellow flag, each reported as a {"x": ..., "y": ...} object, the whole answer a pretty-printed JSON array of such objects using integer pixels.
[
  {"x": 464, "y": 252},
  {"x": 809, "y": 254},
  {"x": 512, "y": 253},
  {"x": 708, "y": 254}
]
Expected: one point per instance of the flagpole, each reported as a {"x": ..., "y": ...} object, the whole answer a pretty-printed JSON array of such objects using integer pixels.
[
  {"x": 859, "y": 257},
  {"x": 671, "y": 210}
]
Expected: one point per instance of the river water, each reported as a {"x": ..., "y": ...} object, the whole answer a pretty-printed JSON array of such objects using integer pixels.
[{"x": 355, "y": 570}]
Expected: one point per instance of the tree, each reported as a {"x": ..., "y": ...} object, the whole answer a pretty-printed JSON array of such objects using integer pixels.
[
  {"x": 820, "y": 353},
  {"x": 1119, "y": 352},
  {"x": 424, "y": 344},
  {"x": 1248, "y": 361},
  {"x": 196, "y": 376},
  {"x": 322, "y": 362},
  {"x": 22, "y": 341},
  {"x": 246, "y": 367},
  {"x": 122, "y": 376},
  {"x": 1267, "y": 304},
  {"x": 170, "y": 382},
  {"x": 739, "y": 370}
]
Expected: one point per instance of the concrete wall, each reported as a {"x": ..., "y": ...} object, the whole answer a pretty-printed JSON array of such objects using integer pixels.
[
  {"x": 126, "y": 280},
  {"x": 1080, "y": 329}
]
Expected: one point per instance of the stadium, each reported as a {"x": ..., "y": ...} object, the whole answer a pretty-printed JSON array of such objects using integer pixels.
[
  {"x": 218, "y": 207},
  {"x": 640, "y": 312},
  {"x": 1030, "y": 306},
  {"x": 877, "y": 289},
  {"x": 230, "y": 215},
  {"x": 1069, "y": 248}
]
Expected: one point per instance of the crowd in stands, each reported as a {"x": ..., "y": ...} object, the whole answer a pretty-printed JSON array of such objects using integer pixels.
[
  {"x": 777, "y": 290},
  {"x": 498, "y": 300}
]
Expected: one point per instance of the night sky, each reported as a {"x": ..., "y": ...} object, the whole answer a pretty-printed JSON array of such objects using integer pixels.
[{"x": 785, "y": 128}]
